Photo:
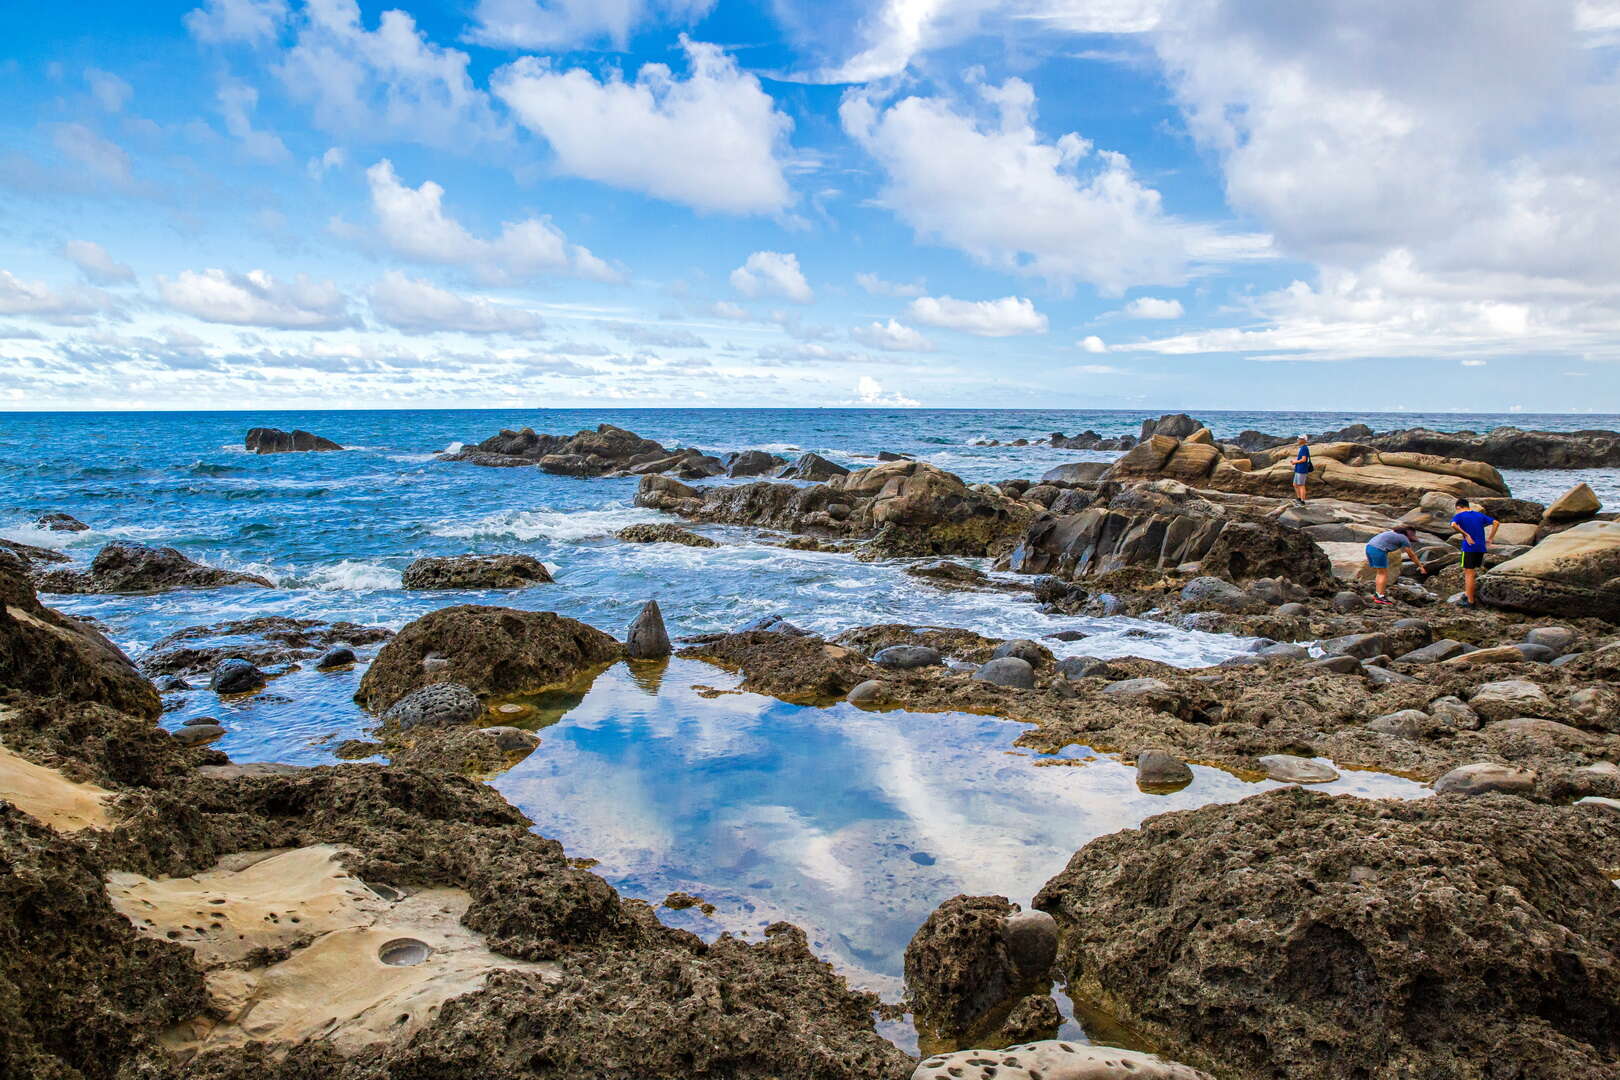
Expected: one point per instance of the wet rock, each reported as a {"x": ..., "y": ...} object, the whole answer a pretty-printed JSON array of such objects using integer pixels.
[
  {"x": 266, "y": 641},
  {"x": 1297, "y": 770},
  {"x": 493, "y": 651},
  {"x": 1379, "y": 675},
  {"x": 890, "y": 455},
  {"x": 1008, "y": 671},
  {"x": 870, "y": 692},
  {"x": 1173, "y": 425},
  {"x": 127, "y": 567},
  {"x": 812, "y": 466},
  {"x": 1509, "y": 698},
  {"x": 171, "y": 683},
  {"x": 1161, "y": 768},
  {"x": 1081, "y": 667},
  {"x": 61, "y": 523},
  {"x": 906, "y": 657},
  {"x": 775, "y": 624},
  {"x": 236, "y": 676},
  {"x": 46, "y": 653},
  {"x": 753, "y": 463},
  {"x": 341, "y": 656},
  {"x": 971, "y": 962},
  {"x": 441, "y": 705},
  {"x": 1294, "y": 610},
  {"x": 1054, "y": 1060},
  {"x": 1346, "y": 602},
  {"x": 1405, "y": 724},
  {"x": 261, "y": 440},
  {"x": 1557, "y": 638},
  {"x": 196, "y": 734},
  {"x": 1283, "y": 650},
  {"x": 1213, "y": 594},
  {"x": 1283, "y": 963},
  {"x": 1435, "y": 651},
  {"x": 949, "y": 574},
  {"x": 1571, "y": 574},
  {"x": 475, "y": 572},
  {"x": 801, "y": 669},
  {"x": 511, "y": 739},
  {"x": 608, "y": 450},
  {"x": 1031, "y": 652},
  {"x": 663, "y": 533},
  {"x": 1276, "y": 592},
  {"x": 647, "y": 639},
  {"x": 1360, "y": 646},
  {"x": 1486, "y": 776}
]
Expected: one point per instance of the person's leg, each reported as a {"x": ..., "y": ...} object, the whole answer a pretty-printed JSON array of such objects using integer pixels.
[
  {"x": 1382, "y": 581},
  {"x": 1471, "y": 585}
]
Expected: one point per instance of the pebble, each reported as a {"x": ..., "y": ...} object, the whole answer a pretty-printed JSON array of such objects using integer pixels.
[
  {"x": 1008, "y": 671},
  {"x": 870, "y": 692},
  {"x": 1161, "y": 768},
  {"x": 1556, "y": 638},
  {"x": 1291, "y": 769}
]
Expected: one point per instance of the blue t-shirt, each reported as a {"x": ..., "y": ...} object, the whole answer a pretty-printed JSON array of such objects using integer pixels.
[
  {"x": 1305, "y": 452},
  {"x": 1389, "y": 540},
  {"x": 1473, "y": 524}
]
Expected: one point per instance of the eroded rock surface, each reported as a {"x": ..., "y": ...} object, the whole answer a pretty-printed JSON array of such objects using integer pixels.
[
  {"x": 127, "y": 567},
  {"x": 476, "y": 572},
  {"x": 262, "y": 440}
]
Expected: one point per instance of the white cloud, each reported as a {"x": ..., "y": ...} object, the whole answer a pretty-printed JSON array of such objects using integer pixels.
[
  {"x": 387, "y": 83},
  {"x": 103, "y": 158},
  {"x": 1097, "y": 369},
  {"x": 868, "y": 391},
  {"x": 414, "y": 224},
  {"x": 892, "y": 336},
  {"x": 810, "y": 352},
  {"x": 98, "y": 266},
  {"x": 1151, "y": 307},
  {"x": 65, "y": 307},
  {"x": 417, "y": 306},
  {"x": 334, "y": 158},
  {"x": 985, "y": 318},
  {"x": 772, "y": 273},
  {"x": 709, "y": 141},
  {"x": 878, "y": 287},
  {"x": 568, "y": 24},
  {"x": 989, "y": 185},
  {"x": 252, "y": 22},
  {"x": 112, "y": 92},
  {"x": 257, "y": 299},
  {"x": 236, "y": 104},
  {"x": 1473, "y": 363},
  {"x": 1093, "y": 344},
  {"x": 725, "y": 309}
]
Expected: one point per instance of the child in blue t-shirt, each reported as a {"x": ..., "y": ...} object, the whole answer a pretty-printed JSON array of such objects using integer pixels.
[{"x": 1478, "y": 530}]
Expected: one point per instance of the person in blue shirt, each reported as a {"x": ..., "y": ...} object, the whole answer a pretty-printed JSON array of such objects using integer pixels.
[
  {"x": 1302, "y": 468},
  {"x": 1478, "y": 530},
  {"x": 1397, "y": 539}
]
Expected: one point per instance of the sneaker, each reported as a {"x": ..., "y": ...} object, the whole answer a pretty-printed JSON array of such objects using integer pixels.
[
  {"x": 1465, "y": 602},
  {"x": 1382, "y": 600}
]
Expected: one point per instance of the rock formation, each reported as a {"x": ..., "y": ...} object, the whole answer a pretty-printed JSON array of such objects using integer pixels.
[
  {"x": 607, "y": 451},
  {"x": 263, "y": 440},
  {"x": 127, "y": 567},
  {"x": 266, "y": 641},
  {"x": 476, "y": 572},
  {"x": 1570, "y": 574},
  {"x": 1504, "y": 447}
]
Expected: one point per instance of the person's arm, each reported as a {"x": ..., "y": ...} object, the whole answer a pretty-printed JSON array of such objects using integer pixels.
[
  {"x": 1490, "y": 534},
  {"x": 1458, "y": 528},
  {"x": 1411, "y": 553}
]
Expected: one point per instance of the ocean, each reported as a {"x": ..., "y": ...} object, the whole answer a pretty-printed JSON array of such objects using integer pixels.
[{"x": 852, "y": 824}]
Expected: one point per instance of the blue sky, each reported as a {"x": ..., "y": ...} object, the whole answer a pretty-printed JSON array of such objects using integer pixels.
[{"x": 1335, "y": 204}]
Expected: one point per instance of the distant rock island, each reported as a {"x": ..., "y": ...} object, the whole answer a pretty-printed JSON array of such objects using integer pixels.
[{"x": 264, "y": 440}]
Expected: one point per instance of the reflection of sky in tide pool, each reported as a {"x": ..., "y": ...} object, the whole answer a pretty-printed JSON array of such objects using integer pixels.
[{"x": 851, "y": 824}]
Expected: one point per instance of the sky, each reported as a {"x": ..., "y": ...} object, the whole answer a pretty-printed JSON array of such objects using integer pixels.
[{"x": 1369, "y": 205}]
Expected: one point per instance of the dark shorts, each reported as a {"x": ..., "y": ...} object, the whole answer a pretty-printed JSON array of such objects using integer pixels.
[{"x": 1473, "y": 560}]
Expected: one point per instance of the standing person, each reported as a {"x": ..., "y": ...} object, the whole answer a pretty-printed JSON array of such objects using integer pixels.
[
  {"x": 1379, "y": 549},
  {"x": 1302, "y": 467},
  {"x": 1478, "y": 532}
]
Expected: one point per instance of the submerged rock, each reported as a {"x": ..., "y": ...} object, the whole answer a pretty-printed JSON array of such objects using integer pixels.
[
  {"x": 1302, "y": 935},
  {"x": 441, "y": 705},
  {"x": 61, "y": 523},
  {"x": 1160, "y": 768},
  {"x": 647, "y": 639},
  {"x": 476, "y": 572},
  {"x": 127, "y": 567},
  {"x": 262, "y": 440},
  {"x": 663, "y": 533},
  {"x": 494, "y": 651},
  {"x": 236, "y": 676},
  {"x": 265, "y": 641}
]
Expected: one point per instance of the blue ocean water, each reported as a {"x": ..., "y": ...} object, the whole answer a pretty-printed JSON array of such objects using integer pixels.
[{"x": 852, "y": 824}]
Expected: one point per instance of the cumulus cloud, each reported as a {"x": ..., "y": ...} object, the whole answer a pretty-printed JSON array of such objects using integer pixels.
[
  {"x": 772, "y": 273},
  {"x": 65, "y": 307},
  {"x": 256, "y": 298},
  {"x": 413, "y": 223},
  {"x": 236, "y": 104},
  {"x": 984, "y": 318},
  {"x": 387, "y": 83},
  {"x": 868, "y": 391},
  {"x": 710, "y": 141},
  {"x": 878, "y": 287},
  {"x": 725, "y": 309},
  {"x": 1093, "y": 344},
  {"x": 420, "y": 307},
  {"x": 1150, "y": 307},
  {"x": 112, "y": 92},
  {"x": 892, "y": 336},
  {"x": 569, "y": 24},
  {"x": 252, "y": 22},
  {"x": 987, "y": 184},
  {"x": 96, "y": 265}
]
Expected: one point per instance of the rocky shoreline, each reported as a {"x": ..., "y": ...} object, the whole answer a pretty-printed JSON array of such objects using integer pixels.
[{"x": 169, "y": 913}]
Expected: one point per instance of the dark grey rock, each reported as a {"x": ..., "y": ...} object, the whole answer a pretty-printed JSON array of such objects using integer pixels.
[
  {"x": 61, "y": 523},
  {"x": 1080, "y": 667},
  {"x": 511, "y": 739},
  {"x": 1360, "y": 646},
  {"x": 1379, "y": 675},
  {"x": 1341, "y": 665},
  {"x": 776, "y": 625},
  {"x": 753, "y": 463},
  {"x": 812, "y": 467},
  {"x": 171, "y": 683},
  {"x": 341, "y": 656},
  {"x": 438, "y": 705},
  {"x": 1076, "y": 472},
  {"x": 1008, "y": 671},
  {"x": 236, "y": 676},
  {"x": 870, "y": 692},
  {"x": 1035, "y": 655},
  {"x": 1537, "y": 654},
  {"x": 906, "y": 657},
  {"x": 1161, "y": 768},
  {"x": 1557, "y": 638},
  {"x": 197, "y": 734},
  {"x": 647, "y": 639},
  {"x": 1031, "y": 938},
  {"x": 1346, "y": 602},
  {"x": 1294, "y": 610},
  {"x": 1435, "y": 651},
  {"x": 1213, "y": 594}
]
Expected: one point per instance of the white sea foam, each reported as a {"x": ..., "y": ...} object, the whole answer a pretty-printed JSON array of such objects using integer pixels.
[
  {"x": 350, "y": 575},
  {"x": 455, "y": 448},
  {"x": 560, "y": 525}
]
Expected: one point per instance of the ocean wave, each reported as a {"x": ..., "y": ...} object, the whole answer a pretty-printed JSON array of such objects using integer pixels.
[
  {"x": 349, "y": 575},
  {"x": 561, "y": 525},
  {"x": 454, "y": 448}
]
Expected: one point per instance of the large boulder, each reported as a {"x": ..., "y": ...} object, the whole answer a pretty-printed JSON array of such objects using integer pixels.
[
  {"x": 811, "y": 466},
  {"x": 124, "y": 566},
  {"x": 913, "y": 508},
  {"x": 1174, "y": 425},
  {"x": 262, "y": 440},
  {"x": 1577, "y": 504},
  {"x": 1075, "y": 472},
  {"x": 1246, "y": 550},
  {"x": 493, "y": 651},
  {"x": 46, "y": 653},
  {"x": 607, "y": 450},
  {"x": 973, "y": 960},
  {"x": 475, "y": 572},
  {"x": 1302, "y": 935},
  {"x": 753, "y": 463},
  {"x": 1570, "y": 574}
]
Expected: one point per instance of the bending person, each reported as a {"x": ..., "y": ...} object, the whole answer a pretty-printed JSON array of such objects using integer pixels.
[{"x": 1397, "y": 542}]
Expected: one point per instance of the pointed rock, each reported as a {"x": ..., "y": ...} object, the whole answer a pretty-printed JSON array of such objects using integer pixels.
[{"x": 648, "y": 639}]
